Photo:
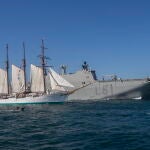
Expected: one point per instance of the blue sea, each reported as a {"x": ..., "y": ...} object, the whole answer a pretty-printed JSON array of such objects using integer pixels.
[{"x": 90, "y": 125}]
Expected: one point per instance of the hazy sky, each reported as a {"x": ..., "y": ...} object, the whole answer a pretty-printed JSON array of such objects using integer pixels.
[{"x": 113, "y": 36}]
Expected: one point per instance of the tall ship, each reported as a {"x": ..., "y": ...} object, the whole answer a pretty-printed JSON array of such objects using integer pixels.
[
  {"x": 38, "y": 90},
  {"x": 88, "y": 87}
]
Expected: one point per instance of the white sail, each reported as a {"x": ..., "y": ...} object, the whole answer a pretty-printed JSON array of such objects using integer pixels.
[
  {"x": 54, "y": 84},
  {"x": 37, "y": 82},
  {"x": 57, "y": 82},
  {"x": 3, "y": 82},
  {"x": 18, "y": 79}
]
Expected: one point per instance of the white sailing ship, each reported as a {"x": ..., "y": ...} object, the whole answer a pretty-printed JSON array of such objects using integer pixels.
[{"x": 36, "y": 93}]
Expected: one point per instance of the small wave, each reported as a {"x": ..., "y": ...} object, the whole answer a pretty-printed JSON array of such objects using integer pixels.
[
  {"x": 17, "y": 109},
  {"x": 148, "y": 113}
]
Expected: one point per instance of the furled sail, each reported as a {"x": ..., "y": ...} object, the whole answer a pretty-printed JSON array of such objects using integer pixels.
[
  {"x": 18, "y": 80},
  {"x": 37, "y": 82},
  {"x": 57, "y": 82},
  {"x": 3, "y": 82}
]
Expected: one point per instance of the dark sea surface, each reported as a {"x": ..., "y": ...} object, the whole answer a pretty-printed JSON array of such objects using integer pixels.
[{"x": 98, "y": 125}]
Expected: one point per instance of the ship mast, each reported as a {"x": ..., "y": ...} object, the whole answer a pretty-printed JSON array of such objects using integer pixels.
[
  {"x": 43, "y": 63},
  {"x": 7, "y": 68},
  {"x": 24, "y": 65}
]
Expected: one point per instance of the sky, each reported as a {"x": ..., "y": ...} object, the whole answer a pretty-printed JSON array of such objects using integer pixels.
[{"x": 113, "y": 36}]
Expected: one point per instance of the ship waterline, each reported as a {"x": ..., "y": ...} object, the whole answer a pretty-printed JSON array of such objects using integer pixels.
[{"x": 40, "y": 99}]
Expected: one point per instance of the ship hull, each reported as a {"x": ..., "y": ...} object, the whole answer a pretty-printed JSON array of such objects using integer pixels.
[
  {"x": 51, "y": 98},
  {"x": 106, "y": 90}
]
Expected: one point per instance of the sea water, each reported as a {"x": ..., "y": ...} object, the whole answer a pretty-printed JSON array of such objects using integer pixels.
[{"x": 90, "y": 125}]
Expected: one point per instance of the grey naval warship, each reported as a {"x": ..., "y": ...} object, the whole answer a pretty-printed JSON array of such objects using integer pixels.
[{"x": 88, "y": 87}]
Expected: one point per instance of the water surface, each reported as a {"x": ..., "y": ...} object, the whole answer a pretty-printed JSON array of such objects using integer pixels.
[{"x": 98, "y": 125}]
